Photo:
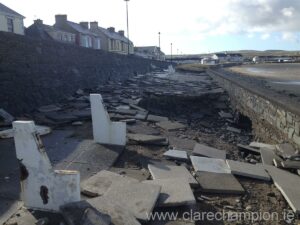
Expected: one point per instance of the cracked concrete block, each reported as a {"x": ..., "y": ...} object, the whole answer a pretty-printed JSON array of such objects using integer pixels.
[
  {"x": 104, "y": 130},
  {"x": 43, "y": 187}
]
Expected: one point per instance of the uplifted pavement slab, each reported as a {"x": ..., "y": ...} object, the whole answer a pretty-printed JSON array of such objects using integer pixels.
[
  {"x": 147, "y": 139},
  {"x": 8, "y": 208},
  {"x": 161, "y": 171},
  {"x": 290, "y": 164},
  {"x": 267, "y": 156},
  {"x": 248, "y": 170},
  {"x": 176, "y": 154},
  {"x": 139, "y": 198},
  {"x": 154, "y": 118},
  {"x": 99, "y": 184},
  {"x": 174, "y": 192},
  {"x": 120, "y": 215},
  {"x": 170, "y": 126},
  {"x": 221, "y": 183},
  {"x": 288, "y": 184},
  {"x": 141, "y": 128},
  {"x": 204, "y": 164},
  {"x": 136, "y": 173},
  {"x": 180, "y": 143},
  {"x": 204, "y": 150},
  {"x": 90, "y": 157}
]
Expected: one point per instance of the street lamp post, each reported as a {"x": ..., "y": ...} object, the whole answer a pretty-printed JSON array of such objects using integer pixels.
[
  {"x": 127, "y": 25},
  {"x": 159, "y": 40}
]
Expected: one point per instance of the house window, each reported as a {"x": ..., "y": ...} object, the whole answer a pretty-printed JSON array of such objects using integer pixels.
[{"x": 10, "y": 25}]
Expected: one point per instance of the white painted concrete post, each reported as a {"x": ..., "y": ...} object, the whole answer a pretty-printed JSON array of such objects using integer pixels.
[
  {"x": 42, "y": 187},
  {"x": 104, "y": 130}
]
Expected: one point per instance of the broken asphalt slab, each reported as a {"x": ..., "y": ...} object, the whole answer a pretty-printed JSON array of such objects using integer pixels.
[
  {"x": 288, "y": 184},
  {"x": 99, "y": 183},
  {"x": 139, "y": 198},
  {"x": 154, "y": 118},
  {"x": 174, "y": 192},
  {"x": 161, "y": 171},
  {"x": 120, "y": 215},
  {"x": 203, "y": 150},
  {"x": 203, "y": 164},
  {"x": 141, "y": 128},
  {"x": 248, "y": 170},
  {"x": 219, "y": 183}
]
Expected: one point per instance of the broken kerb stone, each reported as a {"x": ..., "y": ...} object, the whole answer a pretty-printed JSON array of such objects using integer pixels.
[
  {"x": 174, "y": 192},
  {"x": 176, "y": 154},
  {"x": 209, "y": 165},
  {"x": 170, "y": 126},
  {"x": 220, "y": 183},
  {"x": 203, "y": 150},
  {"x": 41, "y": 130},
  {"x": 105, "y": 131},
  {"x": 288, "y": 184},
  {"x": 42, "y": 187},
  {"x": 161, "y": 171},
  {"x": 139, "y": 198},
  {"x": 248, "y": 170},
  {"x": 98, "y": 184}
]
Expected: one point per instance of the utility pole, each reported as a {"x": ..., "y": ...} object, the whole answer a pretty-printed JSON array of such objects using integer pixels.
[
  {"x": 127, "y": 26},
  {"x": 171, "y": 52},
  {"x": 159, "y": 40}
]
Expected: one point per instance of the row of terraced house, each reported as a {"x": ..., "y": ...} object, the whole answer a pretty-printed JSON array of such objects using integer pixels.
[{"x": 84, "y": 34}]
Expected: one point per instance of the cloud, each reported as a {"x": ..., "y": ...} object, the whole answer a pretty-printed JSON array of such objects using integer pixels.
[{"x": 265, "y": 36}]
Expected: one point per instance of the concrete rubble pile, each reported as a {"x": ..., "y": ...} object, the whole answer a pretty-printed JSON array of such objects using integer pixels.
[{"x": 161, "y": 164}]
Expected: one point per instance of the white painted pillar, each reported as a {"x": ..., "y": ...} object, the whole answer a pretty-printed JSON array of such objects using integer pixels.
[
  {"x": 104, "y": 130},
  {"x": 42, "y": 187}
]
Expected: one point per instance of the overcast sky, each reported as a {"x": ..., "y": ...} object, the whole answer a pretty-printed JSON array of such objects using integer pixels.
[{"x": 193, "y": 26}]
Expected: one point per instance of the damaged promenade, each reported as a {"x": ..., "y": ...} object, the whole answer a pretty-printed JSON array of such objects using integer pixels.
[{"x": 183, "y": 150}]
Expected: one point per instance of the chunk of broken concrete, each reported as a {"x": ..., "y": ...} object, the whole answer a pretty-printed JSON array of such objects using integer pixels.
[
  {"x": 170, "y": 126},
  {"x": 99, "y": 183},
  {"x": 204, "y": 164},
  {"x": 174, "y": 192},
  {"x": 161, "y": 171},
  {"x": 248, "y": 149},
  {"x": 225, "y": 115},
  {"x": 93, "y": 217},
  {"x": 262, "y": 145},
  {"x": 41, "y": 130},
  {"x": 290, "y": 164},
  {"x": 248, "y": 170},
  {"x": 147, "y": 139},
  {"x": 73, "y": 212},
  {"x": 285, "y": 150},
  {"x": 49, "y": 108},
  {"x": 219, "y": 183},
  {"x": 234, "y": 130},
  {"x": 203, "y": 150},
  {"x": 288, "y": 184},
  {"x": 153, "y": 118},
  {"x": 176, "y": 154},
  {"x": 139, "y": 198}
]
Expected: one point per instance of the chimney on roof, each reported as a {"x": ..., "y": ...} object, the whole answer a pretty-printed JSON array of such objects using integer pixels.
[
  {"x": 121, "y": 32},
  {"x": 111, "y": 29},
  {"x": 38, "y": 21},
  {"x": 60, "y": 19},
  {"x": 84, "y": 25},
  {"x": 94, "y": 25}
]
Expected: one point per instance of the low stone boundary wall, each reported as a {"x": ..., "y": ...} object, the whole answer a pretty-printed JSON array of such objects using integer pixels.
[{"x": 272, "y": 122}]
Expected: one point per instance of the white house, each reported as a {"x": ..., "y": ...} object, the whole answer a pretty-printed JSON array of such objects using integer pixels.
[
  {"x": 234, "y": 57},
  {"x": 11, "y": 21},
  {"x": 208, "y": 61},
  {"x": 220, "y": 57}
]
